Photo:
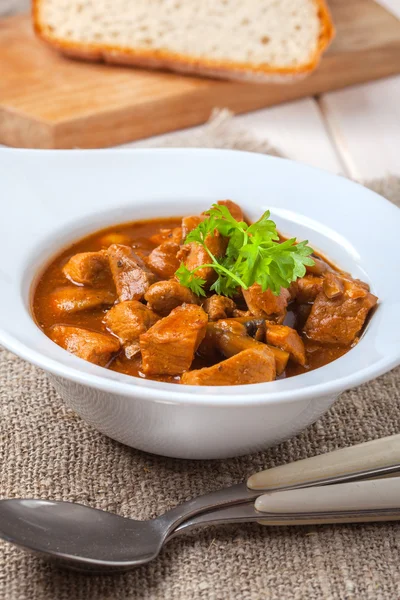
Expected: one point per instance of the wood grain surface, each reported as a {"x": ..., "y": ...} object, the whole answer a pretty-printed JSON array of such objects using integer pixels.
[{"x": 47, "y": 101}]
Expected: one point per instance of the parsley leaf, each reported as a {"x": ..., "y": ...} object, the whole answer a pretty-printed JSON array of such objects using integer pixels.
[
  {"x": 265, "y": 228},
  {"x": 190, "y": 280},
  {"x": 254, "y": 254},
  {"x": 203, "y": 229}
]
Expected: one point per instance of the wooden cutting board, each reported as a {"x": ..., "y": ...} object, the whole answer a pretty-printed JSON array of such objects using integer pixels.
[{"x": 47, "y": 101}]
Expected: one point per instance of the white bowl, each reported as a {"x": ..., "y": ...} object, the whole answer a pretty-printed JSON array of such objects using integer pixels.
[{"x": 49, "y": 199}]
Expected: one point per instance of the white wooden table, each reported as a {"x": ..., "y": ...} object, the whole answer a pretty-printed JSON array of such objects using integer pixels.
[{"x": 354, "y": 132}]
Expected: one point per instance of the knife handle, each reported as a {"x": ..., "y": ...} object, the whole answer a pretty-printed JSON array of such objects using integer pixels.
[
  {"x": 360, "y": 501},
  {"x": 339, "y": 465},
  {"x": 332, "y": 519}
]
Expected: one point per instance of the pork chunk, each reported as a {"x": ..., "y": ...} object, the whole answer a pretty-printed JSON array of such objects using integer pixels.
[
  {"x": 287, "y": 339},
  {"x": 131, "y": 276},
  {"x": 97, "y": 348},
  {"x": 338, "y": 320},
  {"x": 88, "y": 268},
  {"x": 308, "y": 288},
  {"x": 354, "y": 287},
  {"x": 164, "y": 296},
  {"x": 194, "y": 255},
  {"x": 255, "y": 365},
  {"x": 333, "y": 285},
  {"x": 75, "y": 299},
  {"x": 190, "y": 223},
  {"x": 128, "y": 320},
  {"x": 219, "y": 307},
  {"x": 169, "y": 346},
  {"x": 266, "y": 304},
  {"x": 233, "y": 208},
  {"x": 163, "y": 261}
]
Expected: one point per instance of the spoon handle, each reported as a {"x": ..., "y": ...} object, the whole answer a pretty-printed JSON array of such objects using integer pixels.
[
  {"x": 378, "y": 457},
  {"x": 235, "y": 494}
]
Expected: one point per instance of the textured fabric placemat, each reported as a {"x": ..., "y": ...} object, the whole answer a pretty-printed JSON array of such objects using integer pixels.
[{"x": 47, "y": 451}]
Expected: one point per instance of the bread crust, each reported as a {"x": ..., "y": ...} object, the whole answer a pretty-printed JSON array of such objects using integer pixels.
[{"x": 182, "y": 63}]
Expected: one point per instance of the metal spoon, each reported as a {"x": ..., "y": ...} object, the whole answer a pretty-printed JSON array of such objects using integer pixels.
[{"x": 86, "y": 537}]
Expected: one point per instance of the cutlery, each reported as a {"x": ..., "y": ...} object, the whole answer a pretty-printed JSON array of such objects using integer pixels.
[{"x": 86, "y": 538}]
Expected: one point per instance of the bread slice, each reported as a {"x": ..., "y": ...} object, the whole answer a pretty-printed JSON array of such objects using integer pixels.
[{"x": 253, "y": 40}]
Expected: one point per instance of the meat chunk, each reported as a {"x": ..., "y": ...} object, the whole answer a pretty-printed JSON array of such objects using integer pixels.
[
  {"x": 353, "y": 285},
  {"x": 255, "y": 365},
  {"x": 167, "y": 235},
  {"x": 131, "y": 276},
  {"x": 127, "y": 320},
  {"x": 333, "y": 285},
  {"x": 163, "y": 261},
  {"x": 75, "y": 299},
  {"x": 219, "y": 307},
  {"x": 164, "y": 296},
  {"x": 97, "y": 348},
  {"x": 194, "y": 255},
  {"x": 88, "y": 268},
  {"x": 233, "y": 208},
  {"x": 338, "y": 320},
  {"x": 308, "y": 288},
  {"x": 287, "y": 339},
  {"x": 266, "y": 304},
  {"x": 168, "y": 347},
  {"x": 190, "y": 223}
]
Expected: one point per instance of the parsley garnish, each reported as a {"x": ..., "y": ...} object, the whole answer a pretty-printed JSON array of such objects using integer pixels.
[
  {"x": 189, "y": 280},
  {"x": 253, "y": 255}
]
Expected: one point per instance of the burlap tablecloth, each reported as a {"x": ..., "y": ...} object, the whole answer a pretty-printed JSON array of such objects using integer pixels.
[{"x": 47, "y": 451}]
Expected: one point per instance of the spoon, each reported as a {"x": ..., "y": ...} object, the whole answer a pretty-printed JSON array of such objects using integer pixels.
[
  {"x": 87, "y": 537},
  {"x": 92, "y": 539}
]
